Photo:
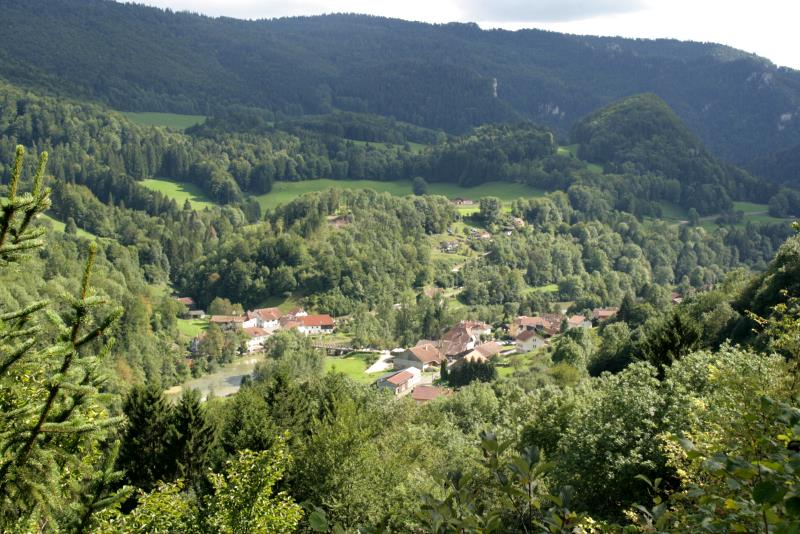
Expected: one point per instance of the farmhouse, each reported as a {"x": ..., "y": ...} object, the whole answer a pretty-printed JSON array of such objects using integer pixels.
[
  {"x": 460, "y": 339},
  {"x": 528, "y": 340},
  {"x": 255, "y": 338},
  {"x": 400, "y": 382},
  {"x": 428, "y": 393},
  {"x": 268, "y": 318},
  {"x": 424, "y": 356},
  {"x": 228, "y": 322},
  {"x": 196, "y": 314},
  {"x": 186, "y": 301},
  {"x": 315, "y": 324},
  {"x": 604, "y": 314},
  {"x": 482, "y": 353},
  {"x": 463, "y": 202},
  {"x": 578, "y": 321},
  {"x": 548, "y": 324}
]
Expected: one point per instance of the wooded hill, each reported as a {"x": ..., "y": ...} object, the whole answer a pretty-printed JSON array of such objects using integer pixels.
[{"x": 439, "y": 76}]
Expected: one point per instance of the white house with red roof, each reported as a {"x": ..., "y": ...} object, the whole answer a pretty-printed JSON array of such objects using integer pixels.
[
  {"x": 315, "y": 324},
  {"x": 424, "y": 356},
  {"x": 527, "y": 340},
  {"x": 255, "y": 338},
  {"x": 401, "y": 382}
]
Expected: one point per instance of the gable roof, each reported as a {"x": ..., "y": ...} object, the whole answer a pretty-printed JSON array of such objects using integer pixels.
[
  {"x": 576, "y": 320},
  {"x": 186, "y": 301},
  {"x": 401, "y": 378},
  {"x": 256, "y": 332},
  {"x": 428, "y": 393},
  {"x": 492, "y": 348},
  {"x": 266, "y": 314},
  {"x": 225, "y": 319},
  {"x": 316, "y": 320},
  {"x": 525, "y": 335},
  {"x": 426, "y": 353},
  {"x": 602, "y": 314}
]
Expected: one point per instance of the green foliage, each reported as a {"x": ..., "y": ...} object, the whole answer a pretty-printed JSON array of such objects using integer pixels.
[
  {"x": 467, "y": 372},
  {"x": 53, "y": 418}
]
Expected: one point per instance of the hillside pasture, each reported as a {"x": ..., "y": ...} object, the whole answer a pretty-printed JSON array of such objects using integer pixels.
[
  {"x": 179, "y": 191},
  {"x": 167, "y": 120},
  {"x": 285, "y": 192}
]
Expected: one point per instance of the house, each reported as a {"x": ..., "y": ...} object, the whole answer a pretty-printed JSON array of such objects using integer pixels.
[
  {"x": 482, "y": 353},
  {"x": 449, "y": 247},
  {"x": 604, "y": 314},
  {"x": 528, "y": 340},
  {"x": 296, "y": 312},
  {"x": 463, "y": 202},
  {"x": 483, "y": 235},
  {"x": 255, "y": 338},
  {"x": 463, "y": 337},
  {"x": 315, "y": 324},
  {"x": 196, "y": 314},
  {"x": 517, "y": 222},
  {"x": 400, "y": 382},
  {"x": 548, "y": 324},
  {"x": 268, "y": 318},
  {"x": 424, "y": 357},
  {"x": 228, "y": 322},
  {"x": 429, "y": 393},
  {"x": 186, "y": 301},
  {"x": 578, "y": 321},
  {"x": 676, "y": 298}
]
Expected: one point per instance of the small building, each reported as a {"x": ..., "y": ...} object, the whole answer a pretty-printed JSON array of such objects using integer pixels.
[
  {"x": 186, "y": 301},
  {"x": 604, "y": 314},
  {"x": 296, "y": 312},
  {"x": 255, "y": 338},
  {"x": 428, "y": 393},
  {"x": 463, "y": 202},
  {"x": 424, "y": 356},
  {"x": 268, "y": 318},
  {"x": 228, "y": 322},
  {"x": 676, "y": 298},
  {"x": 482, "y": 353},
  {"x": 401, "y": 382},
  {"x": 578, "y": 321},
  {"x": 529, "y": 340},
  {"x": 548, "y": 324},
  {"x": 315, "y": 324},
  {"x": 197, "y": 314}
]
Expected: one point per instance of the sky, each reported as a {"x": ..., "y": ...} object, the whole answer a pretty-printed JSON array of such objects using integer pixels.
[{"x": 765, "y": 27}]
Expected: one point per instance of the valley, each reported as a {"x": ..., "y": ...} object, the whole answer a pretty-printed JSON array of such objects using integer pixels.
[{"x": 348, "y": 273}]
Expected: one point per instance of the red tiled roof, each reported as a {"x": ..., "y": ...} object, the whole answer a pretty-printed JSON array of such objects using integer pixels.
[
  {"x": 427, "y": 393},
  {"x": 576, "y": 319},
  {"x": 267, "y": 314},
  {"x": 256, "y": 332},
  {"x": 426, "y": 353},
  {"x": 526, "y": 335},
  {"x": 316, "y": 320},
  {"x": 604, "y": 313},
  {"x": 400, "y": 378},
  {"x": 186, "y": 301}
]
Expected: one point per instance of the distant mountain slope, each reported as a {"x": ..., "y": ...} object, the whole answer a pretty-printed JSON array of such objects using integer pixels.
[
  {"x": 440, "y": 76},
  {"x": 782, "y": 166},
  {"x": 642, "y": 134}
]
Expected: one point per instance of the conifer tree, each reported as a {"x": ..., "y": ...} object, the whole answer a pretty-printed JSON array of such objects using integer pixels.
[
  {"x": 53, "y": 420},
  {"x": 196, "y": 437},
  {"x": 147, "y": 454}
]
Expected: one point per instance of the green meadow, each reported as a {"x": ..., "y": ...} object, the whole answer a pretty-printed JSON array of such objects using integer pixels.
[
  {"x": 180, "y": 191},
  {"x": 168, "y": 120},
  {"x": 59, "y": 226},
  {"x": 284, "y": 192}
]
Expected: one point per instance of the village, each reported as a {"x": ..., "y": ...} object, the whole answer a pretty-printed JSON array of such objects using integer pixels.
[{"x": 413, "y": 371}]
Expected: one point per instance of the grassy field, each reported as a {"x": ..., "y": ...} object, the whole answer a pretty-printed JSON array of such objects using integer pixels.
[
  {"x": 351, "y": 366},
  {"x": 59, "y": 227},
  {"x": 284, "y": 304},
  {"x": 284, "y": 192},
  {"x": 573, "y": 150},
  {"x": 192, "y": 327},
  {"x": 169, "y": 120},
  {"x": 180, "y": 191}
]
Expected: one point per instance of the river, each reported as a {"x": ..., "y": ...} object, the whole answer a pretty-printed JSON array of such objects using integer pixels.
[{"x": 223, "y": 382}]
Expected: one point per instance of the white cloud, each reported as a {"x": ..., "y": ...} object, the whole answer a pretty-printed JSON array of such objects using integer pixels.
[{"x": 545, "y": 10}]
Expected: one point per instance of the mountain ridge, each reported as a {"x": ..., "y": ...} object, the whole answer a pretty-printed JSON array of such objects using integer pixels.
[{"x": 134, "y": 57}]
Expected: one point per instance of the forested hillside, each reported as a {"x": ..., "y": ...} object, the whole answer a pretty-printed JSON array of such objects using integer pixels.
[{"x": 139, "y": 58}]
